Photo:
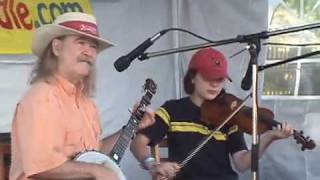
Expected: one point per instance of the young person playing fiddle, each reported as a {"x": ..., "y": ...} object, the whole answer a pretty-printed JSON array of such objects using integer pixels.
[{"x": 179, "y": 121}]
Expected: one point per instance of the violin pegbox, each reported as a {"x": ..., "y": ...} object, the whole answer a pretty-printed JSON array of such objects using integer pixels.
[{"x": 306, "y": 142}]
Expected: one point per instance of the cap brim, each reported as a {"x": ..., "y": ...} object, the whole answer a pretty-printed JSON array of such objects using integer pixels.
[{"x": 215, "y": 76}]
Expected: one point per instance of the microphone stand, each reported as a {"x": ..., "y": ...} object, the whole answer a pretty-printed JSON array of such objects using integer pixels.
[{"x": 254, "y": 50}]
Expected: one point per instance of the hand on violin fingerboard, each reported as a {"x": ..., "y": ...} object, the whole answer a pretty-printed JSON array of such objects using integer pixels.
[{"x": 282, "y": 131}]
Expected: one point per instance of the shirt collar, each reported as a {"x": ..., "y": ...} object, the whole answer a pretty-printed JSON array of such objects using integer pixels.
[{"x": 69, "y": 87}]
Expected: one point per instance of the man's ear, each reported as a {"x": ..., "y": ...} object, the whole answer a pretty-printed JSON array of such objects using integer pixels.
[{"x": 56, "y": 46}]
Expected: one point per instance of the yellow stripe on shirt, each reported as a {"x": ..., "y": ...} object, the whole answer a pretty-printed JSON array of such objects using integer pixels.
[
  {"x": 196, "y": 128},
  {"x": 164, "y": 115}
]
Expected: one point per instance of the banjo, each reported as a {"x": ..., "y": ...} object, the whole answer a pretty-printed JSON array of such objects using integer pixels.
[{"x": 113, "y": 159}]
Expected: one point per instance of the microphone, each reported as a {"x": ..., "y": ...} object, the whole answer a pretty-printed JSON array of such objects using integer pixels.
[
  {"x": 124, "y": 62},
  {"x": 247, "y": 79},
  {"x": 254, "y": 50}
]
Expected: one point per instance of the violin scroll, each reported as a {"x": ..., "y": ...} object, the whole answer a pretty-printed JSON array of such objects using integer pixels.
[{"x": 306, "y": 142}]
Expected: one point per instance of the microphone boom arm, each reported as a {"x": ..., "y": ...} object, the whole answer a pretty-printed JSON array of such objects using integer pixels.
[{"x": 239, "y": 38}]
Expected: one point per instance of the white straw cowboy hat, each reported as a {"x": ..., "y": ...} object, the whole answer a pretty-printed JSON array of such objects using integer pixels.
[{"x": 67, "y": 24}]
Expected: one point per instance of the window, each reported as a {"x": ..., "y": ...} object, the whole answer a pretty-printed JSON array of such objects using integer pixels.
[{"x": 297, "y": 79}]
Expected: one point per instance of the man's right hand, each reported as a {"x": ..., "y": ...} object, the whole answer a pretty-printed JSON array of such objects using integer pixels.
[{"x": 103, "y": 173}]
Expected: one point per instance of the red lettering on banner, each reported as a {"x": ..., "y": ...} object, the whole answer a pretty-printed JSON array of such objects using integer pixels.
[
  {"x": 7, "y": 22},
  {"x": 14, "y": 15},
  {"x": 23, "y": 13}
]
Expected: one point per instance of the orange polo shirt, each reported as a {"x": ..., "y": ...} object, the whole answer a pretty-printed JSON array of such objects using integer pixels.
[{"x": 52, "y": 123}]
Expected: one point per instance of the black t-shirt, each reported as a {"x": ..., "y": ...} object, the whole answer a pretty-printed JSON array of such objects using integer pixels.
[{"x": 179, "y": 120}]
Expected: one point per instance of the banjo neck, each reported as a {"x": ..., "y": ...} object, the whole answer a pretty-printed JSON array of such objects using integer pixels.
[{"x": 131, "y": 128}]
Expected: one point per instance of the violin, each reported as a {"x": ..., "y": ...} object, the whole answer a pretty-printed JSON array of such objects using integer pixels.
[{"x": 215, "y": 112}]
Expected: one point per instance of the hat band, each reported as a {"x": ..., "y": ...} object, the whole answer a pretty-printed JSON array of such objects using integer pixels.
[{"x": 85, "y": 27}]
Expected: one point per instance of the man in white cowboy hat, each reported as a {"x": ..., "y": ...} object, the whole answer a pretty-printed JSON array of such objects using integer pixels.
[{"x": 56, "y": 119}]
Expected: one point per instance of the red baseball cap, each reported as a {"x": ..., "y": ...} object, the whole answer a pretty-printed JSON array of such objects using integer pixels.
[{"x": 210, "y": 63}]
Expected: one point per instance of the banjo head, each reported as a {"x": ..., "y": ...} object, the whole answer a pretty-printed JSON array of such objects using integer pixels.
[{"x": 100, "y": 158}]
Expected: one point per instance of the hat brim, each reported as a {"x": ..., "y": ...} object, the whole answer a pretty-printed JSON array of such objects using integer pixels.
[
  {"x": 214, "y": 76},
  {"x": 46, "y": 33}
]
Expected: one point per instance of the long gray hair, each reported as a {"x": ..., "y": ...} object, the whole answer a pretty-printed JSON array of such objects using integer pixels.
[{"x": 47, "y": 66}]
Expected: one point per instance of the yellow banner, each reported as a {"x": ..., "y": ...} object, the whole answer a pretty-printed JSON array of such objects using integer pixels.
[{"x": 19, "y": 18}]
